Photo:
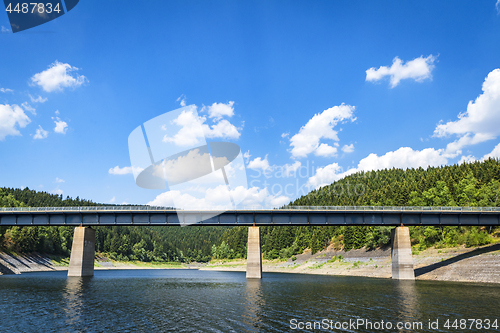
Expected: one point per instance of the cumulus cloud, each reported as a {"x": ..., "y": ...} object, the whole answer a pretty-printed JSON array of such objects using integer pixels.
[
  {"x": 325, "y": 150},
  {"x": 259, "y": 163},
  {"x": 219, "y": 110},
  {"x": 403, "y": 158},
  {"x": 57, "y": 191},
  {"x": 124, "y": 171},
  {"x": 214, "y": 199},
  {"x": 193, "y": 128},
  {"x": 39, "y": 99},
  {"x": 6, "y": 90},
  {"x": 495, "y": 153},
  {"x": 61, "y": 126},
  {"x": 59, "y": 180},
  {"x": 57, "y": 77},
  {"x": 481, "y": 121},
  {"x": 40, "y": 133},
  {"x": 348, "y": 148},
  {"x": 417, "y": 69},
  {"x": 320, "y": 126},
  {"x": 327, "y": 175},
  {"x": 11, "y": 119},
  {"x": 222, "y": 129},
  {"x": 290, "y": 169}
]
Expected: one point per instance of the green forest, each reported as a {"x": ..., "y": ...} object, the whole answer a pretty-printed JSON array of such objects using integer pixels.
[
  {"x": 164, "y": 244},
  {"x": 467, "y": 184}
]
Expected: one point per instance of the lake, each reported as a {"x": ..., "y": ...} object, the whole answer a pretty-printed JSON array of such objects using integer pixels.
[{"x": 207, "y": 301}]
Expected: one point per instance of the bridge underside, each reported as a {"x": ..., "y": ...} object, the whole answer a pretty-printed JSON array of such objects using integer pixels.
[
  {"x": 83, "y": 253},
  {"x": 248, "y": 218}
]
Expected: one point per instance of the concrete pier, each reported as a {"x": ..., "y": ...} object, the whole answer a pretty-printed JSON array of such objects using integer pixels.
[
  {"x": 402, "y": 260},
  {"x": 81, "y": 262},
  {"x": 254, "y": 257}
]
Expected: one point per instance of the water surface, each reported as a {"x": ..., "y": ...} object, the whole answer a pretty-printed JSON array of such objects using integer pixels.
[{"x": 208, "y": 301}]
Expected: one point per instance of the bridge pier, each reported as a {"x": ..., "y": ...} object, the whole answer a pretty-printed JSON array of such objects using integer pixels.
[
  {"x": 402, "y": 260},
  {"x": 81, "y": 262},
  {"x": 254, "y": 256}
]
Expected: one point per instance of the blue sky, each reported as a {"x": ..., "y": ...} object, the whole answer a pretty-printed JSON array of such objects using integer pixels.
[{"x": 334, "y": 87}]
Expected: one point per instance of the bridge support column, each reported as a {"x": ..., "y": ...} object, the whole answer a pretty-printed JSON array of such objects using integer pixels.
[
  {"x": 81, "y": 262},
  {"x": 254, "y": 257},
  {"x": 402, "y": 260}
]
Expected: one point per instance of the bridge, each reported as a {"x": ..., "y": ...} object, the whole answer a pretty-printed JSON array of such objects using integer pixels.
[{"x": 82, "y": 252}]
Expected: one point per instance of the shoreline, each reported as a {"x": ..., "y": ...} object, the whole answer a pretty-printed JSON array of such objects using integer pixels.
[{"x": 457, "y": 264}]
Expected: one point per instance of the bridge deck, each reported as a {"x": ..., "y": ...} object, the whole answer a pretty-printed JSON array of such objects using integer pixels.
[{"x": 315, "y": 215}]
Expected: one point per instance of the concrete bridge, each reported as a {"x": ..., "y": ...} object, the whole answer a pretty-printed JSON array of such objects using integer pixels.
[{"x": 82, "y": 252}]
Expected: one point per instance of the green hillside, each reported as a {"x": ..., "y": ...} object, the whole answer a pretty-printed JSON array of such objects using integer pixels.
[
  {"x": 474, "y": 184},
  {"x": 122, "y": 243}
]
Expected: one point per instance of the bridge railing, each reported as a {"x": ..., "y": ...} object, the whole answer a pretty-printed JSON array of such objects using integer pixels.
[{"x": 253, "y": 208}]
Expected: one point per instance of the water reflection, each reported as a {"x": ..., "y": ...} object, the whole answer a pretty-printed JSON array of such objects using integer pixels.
[
  {"x": 73, "y": 299},
  {"x": 253, "y": 303},
  {"x": 407, "y": 301}
]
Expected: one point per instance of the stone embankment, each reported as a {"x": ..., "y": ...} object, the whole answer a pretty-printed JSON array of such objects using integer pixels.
[{"x": 449, "y": 264}]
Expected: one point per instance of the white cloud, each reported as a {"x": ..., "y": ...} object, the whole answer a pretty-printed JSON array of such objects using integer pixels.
[
  {"x": 320, "y": 126},
  {"x": 327, "y": 175},
  {"x": 285, "y": 135},
  {"x": 5, "y": 30},
  {"x": 40, "y": 133},
  {"x": 12, "y": 118},
  {"x": 219, "y": 110},
  {"x": 6, "y": 90},
  {"x": 259, "y": 163},
  {"x": 247, "y": 156},
  {"x": 495, "y": 153},
  {"x": 348, "y": 148},
  {"x": 112, "y": 200},
  {"x": 29, "y": 108},
  {"x": 497, "y": 7},
  {"x": 325, "y": 150},
  {"x": 403, "y": 158},
  {"x": 290, "y": 169},
  {"x": 59, "y": 180},
  {"x": 182, "y": 100},
  {"x": 418, "y": 69},
  {"x": 222, "y": 129},
  {"x": 57, "y": 191},
  {"x": 466, "y": 159},
  {"x": 61, "y": 126},
  {"x": 124, "y": 171},
  {"x": 57, "y": 77},
  {"x": 193, "y": 128},
  {"x": 215, "y": 199},
  {"x": 39, "y": 99},
  {"x": 481, "y": 121}
]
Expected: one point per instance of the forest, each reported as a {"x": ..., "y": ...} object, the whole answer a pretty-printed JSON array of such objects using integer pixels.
[{"x": 467, "y": 184}]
